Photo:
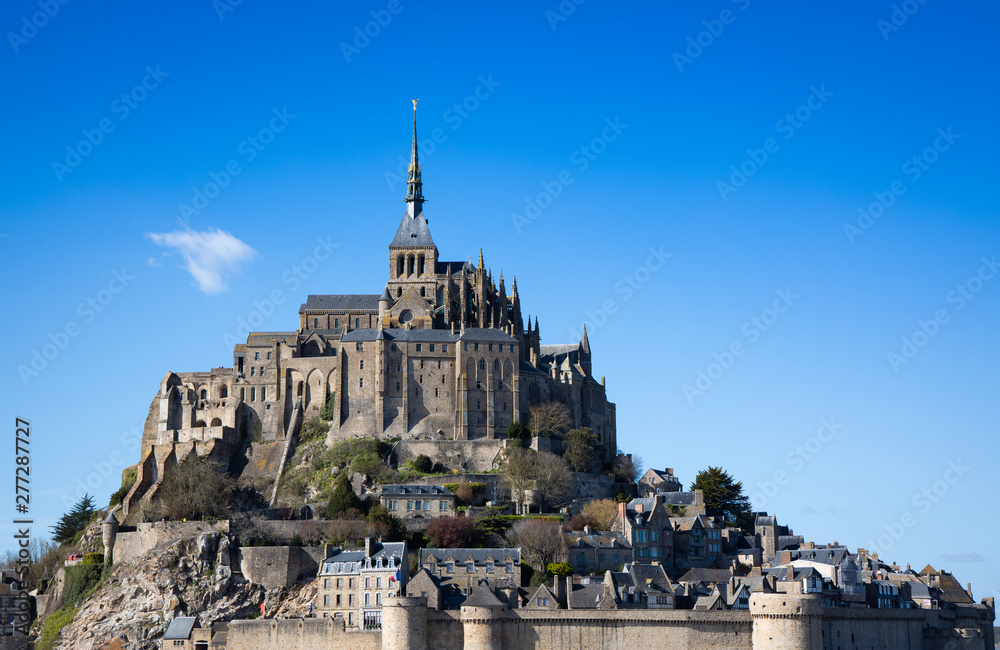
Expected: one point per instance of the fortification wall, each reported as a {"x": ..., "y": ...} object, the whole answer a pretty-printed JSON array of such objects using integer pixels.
[
  {"x": 279, "y": 566},
  {"x": 299, "y": 634},
  {"x": 147, "y": 536},
  {"x": 461, "y": 455}
]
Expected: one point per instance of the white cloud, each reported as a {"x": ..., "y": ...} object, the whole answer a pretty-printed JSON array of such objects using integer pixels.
[{"x": 208, "y": 256}]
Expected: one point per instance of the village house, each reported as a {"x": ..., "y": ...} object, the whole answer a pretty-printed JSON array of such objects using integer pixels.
[
  {"x": 418, "y": 501},
  {"x": 352, "y": 584}
]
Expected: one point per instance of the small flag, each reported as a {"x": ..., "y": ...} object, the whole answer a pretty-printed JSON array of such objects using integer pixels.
[
  {"x": 396, "y": 577},
  {"x": 262, "y": 609}
]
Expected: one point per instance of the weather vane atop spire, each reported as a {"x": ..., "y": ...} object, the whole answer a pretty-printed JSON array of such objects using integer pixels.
[{"x": 415, "y": 104}]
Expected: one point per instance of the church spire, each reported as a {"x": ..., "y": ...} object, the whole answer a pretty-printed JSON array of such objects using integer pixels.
[{"x": 414, "y": 187}]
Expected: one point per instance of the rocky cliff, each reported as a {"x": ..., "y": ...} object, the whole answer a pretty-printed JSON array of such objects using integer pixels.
[{"x": 191, "y": 577}]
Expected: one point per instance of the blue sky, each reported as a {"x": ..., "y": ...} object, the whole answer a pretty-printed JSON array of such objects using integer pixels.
[{"x": 817, "y": 183}]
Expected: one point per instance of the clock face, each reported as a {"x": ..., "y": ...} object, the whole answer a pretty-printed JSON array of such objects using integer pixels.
[{"x": 405, "y": 316}]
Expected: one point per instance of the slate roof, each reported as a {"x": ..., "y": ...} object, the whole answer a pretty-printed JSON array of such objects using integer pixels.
[
  {"x": 586, "y": 596},
  {"x": 268, "y": 338},
  {"x": 386, "y": 551},
  {"x": 764, "y": 520},
  {"x": 952, "y": 591},
  {"x": 676, "y": 498},
  {"x": 413, "y": 231},
  {"x": 594, "y": 540},
  {"x": 478, "y": 555},
  {"x": 485, "y": 334},
  {"x": 420, "y": 490},
  {"x": 786, "y": 542},
  {"x": 442, "y": 267},
  {"x": 341, "y": 302},
  {"x": 650, "y": 577},
  {"x": 483, "y": 596},
  {"x": 180, "y": 628},
  {"x": 429, "y": 335},
  {"x": 833, "y": 556},
  {"x": 706, "y": 575}
]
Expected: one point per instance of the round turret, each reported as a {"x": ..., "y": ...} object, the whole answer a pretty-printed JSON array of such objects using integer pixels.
[
  {"x": 786, "y": 621},
  {"x": 404, "y": 623},
  {"x": 110, "y": 532}
]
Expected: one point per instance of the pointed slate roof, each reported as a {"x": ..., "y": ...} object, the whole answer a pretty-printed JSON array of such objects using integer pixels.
[
  {"x": 483, "y": 596},
  {"x": 413, "y": 231}
]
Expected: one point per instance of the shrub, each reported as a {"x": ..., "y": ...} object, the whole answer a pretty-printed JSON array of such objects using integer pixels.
[
  {"x": 53, "y": 626},
  {"x": 561, "y": 569},
  {"x": 423, "y": 464},
  {"x": 328, "y": 408},
  {"x": 451, "y": 532},
  {"x": 197, "y": 488},
  {"x": 80, "y": 579},
  {"x": 313, "y": 429},
  {"x": 93, "y": 558}
]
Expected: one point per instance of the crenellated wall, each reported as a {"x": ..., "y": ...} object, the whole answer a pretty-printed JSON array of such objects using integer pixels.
[{"x": 774, "y": 622}]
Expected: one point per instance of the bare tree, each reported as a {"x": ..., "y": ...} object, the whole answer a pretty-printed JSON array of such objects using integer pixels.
[
  {"x": 518, "y": 473},
  {"x": 601, "y": 513},
  {"x": 551, "y": 417},
  {"x": 540, "y": 541},
  {"x": 552, "y": 478},
  {"x": 628, "y": 468}
]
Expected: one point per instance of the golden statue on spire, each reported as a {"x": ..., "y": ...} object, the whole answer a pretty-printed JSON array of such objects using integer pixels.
[{"x": 415, "y": 104}]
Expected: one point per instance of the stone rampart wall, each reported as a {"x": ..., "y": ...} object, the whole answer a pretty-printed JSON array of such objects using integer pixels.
[
  {"x": 299, "y": 634},
  {"x": 147, "y": 536}
]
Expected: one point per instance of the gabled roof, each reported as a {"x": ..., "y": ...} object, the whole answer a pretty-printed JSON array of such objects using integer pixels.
[
  {"x": 341, "y": 302},
  {"x": 586, "y": 596},
  {"x": 676, "y": 498},
  {"x": 577, "y": 539},
  {"x": 708, "y": 602},
  {"x": 180, "y": 628}
]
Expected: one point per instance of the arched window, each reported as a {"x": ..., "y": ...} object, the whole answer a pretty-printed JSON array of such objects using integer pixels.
[
  {"x": 315, "y": 323},
  {"x": 400, "y": 263},
  {"x": 216, "y": 422},
  {"x": 263, "y": 394},
  {"x": 399, "y": 292},
  {"x": 410, "y": 261},
  {"x": 204, "y": 394},
  {"x": 421, "y": 261},
  {"x": 423, "y": 292},
  {"x": 482, "y": 364},
  {"x": 253, "y": 394},
  {"x": 223, "y": 391},
  {"x": 496, "y": 365}
]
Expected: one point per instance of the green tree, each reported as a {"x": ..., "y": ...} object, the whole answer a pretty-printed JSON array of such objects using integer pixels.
[
  {"x": 75, "y": 521},
  {"x": 517, "y": 431},
  {"x": 561, "y": 569},
  {"x": 388, "y": 527},
  {"x": 342, "y": 499},
  {"x": 423, "y": 464},
  {"x": 723, "y": 495},
  {"x": 579, "y": 448}
]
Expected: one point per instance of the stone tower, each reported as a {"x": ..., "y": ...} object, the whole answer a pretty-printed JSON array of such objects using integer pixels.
[
  {"x": 109, "y": 533},
  {"x": 787, "y": 621},
  {"x": 404, "y": 624}
]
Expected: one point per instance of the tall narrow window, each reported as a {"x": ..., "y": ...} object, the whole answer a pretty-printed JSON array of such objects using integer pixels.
[{"x": 253, "y": 394}]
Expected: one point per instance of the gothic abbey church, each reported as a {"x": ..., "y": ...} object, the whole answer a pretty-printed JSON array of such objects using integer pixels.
[{"x": 442, "y": 353}]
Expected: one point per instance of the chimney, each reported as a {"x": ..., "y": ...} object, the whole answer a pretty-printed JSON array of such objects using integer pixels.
[
  {"x": 907, "y": 566},
  {"x": 326, "y": 550},
  {"x": 586, "y": 529},
  {"x": 968, "y": 590},
  {"x": 559, "y": 586},
  {"x": 621, "y": 510},
  {"x": 369, "y": 546},
  {"x": 670, "y": 471},
  {"x": 638, "y": 508}
]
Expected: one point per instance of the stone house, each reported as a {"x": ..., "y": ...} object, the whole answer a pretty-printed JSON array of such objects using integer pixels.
[
  {"x": 655, "y": 481},
  {"x": 645, "y": 525},
  {"x": 352, "y": 584},
  {"x": 456, "y": 572},
  {"x": 697, "y": 542},
  {"x": 591, "y": 552},
  {"x": 418, "y": 501}
]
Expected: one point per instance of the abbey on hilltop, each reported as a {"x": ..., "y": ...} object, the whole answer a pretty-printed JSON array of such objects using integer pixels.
[{"x": 442, "y": 353}]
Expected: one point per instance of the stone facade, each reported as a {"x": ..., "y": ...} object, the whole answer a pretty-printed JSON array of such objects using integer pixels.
[
  {"x": 353, "y": 584},
  {"x": 443, "y": 353}
]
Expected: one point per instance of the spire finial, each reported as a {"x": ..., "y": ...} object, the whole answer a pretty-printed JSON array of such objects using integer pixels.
[{"x": 414, "y": 187}]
